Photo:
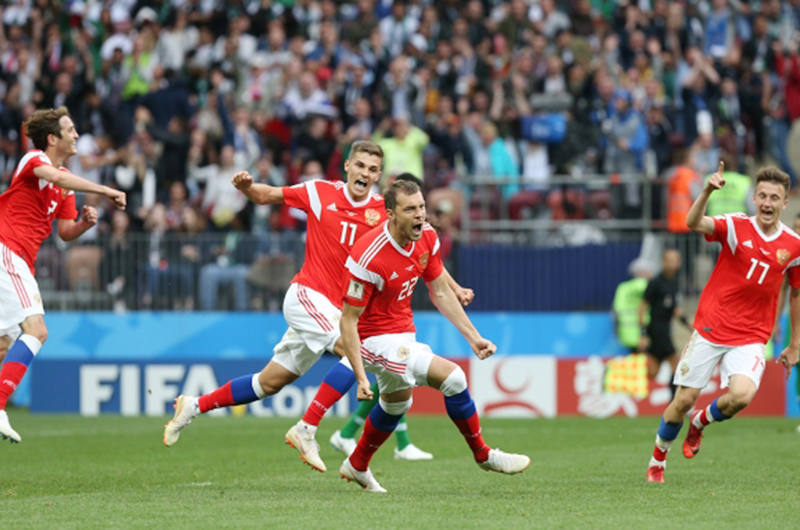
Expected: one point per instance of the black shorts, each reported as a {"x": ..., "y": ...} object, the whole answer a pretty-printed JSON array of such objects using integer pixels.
[{"x": 661, "y": 346}]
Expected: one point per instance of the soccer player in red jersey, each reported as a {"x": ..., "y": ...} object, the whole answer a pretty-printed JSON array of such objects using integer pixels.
[
  {"x": 736, "y": 313},
  {"x": 41, "y": 190},
  {"x": 382, "y": 271},
  {"x": 338, "y": 214}
]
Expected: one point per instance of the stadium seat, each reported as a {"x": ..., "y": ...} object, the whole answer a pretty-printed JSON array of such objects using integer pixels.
[{"x": 524, "y": 205}]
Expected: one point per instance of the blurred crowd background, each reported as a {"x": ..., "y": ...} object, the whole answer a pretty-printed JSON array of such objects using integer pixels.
[{"x": 510, "y": 110}]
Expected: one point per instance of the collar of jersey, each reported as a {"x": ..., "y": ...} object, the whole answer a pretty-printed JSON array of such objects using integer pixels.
[
  {"x": 354, "y": 203},
  {"x": 773, "y": 237},
  {"x": 394, "y": 243}
]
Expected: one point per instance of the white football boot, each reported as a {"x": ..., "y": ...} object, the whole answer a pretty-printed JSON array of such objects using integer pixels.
[
  {"x": 412, "y": 452},
  {"x": 362, "y": 478},
  {"x": 345, "y": 445},
  {"x": 6, "y": 432},
  {"x": 186, "y": 409},
  {"x": 301, "y": 437},
  {"x": 508, "y": 463}
]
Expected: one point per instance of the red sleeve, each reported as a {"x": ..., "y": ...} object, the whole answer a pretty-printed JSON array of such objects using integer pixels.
[
  {"x": 357, "y": 292},
  {"x": 297, "y": 196},
  {"x": 720, "y": 230},
  {"x": 435, "y": 265},
  {"x": 794, "y": 277},
  {"x": 32, "y": 163},
  {"x": 67, "y": 209}
]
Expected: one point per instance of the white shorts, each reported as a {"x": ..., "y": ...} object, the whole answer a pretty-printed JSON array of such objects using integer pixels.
[
  {"x": 313, "y": 329},
  {"x": 700, "y": 357},
  {"x": 398, "y": 361},
  {"x": 19, "y": 293}
]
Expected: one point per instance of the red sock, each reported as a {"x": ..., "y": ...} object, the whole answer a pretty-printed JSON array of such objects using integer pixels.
[
  {"x": 370, "y": 441},
  {"x": 471, "y": 429},
  {"x": 326, "y": 397},
  {"x": 659, "y": 455},
  {"x": 221, "y": 397},
  {"x": 10, "y": 376}
]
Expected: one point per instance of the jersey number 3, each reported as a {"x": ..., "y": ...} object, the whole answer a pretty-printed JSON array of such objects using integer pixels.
[
  {"x": 52, "y": 208},
  {"x": 344, "y": 239},
  {"x": 757, "y": 263}
]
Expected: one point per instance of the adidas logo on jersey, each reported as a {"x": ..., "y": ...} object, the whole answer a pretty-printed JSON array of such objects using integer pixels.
[
  {"x": 332, "y": 207},
  {"x": 748, "y": 244},
  {"x": 394, "y": 276},
  {"x": 410, "y": 267}
]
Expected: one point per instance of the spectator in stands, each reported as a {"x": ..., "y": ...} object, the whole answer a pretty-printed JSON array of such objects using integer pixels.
[
  {"x": 402, "y": 152},
  {"x": 230, "y": 266},
  {"x": 221, "y": 201},
  {"x": 119, "y": 266}
]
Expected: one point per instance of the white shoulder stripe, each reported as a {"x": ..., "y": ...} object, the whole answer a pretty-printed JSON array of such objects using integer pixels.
[
  {"x": 313, "y": 198},
  {"x": 436, "y": 246},
  {"x": 732, "y": 241},
  {"x": 28, "y": 157},
  {"x": 362, "y": 273},
  {"x": 373, "y": 249}
]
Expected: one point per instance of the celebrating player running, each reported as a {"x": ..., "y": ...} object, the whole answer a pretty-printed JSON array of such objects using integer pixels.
[
  {"x": 41, "y": 190},
  {"x": 383, "y": 270},
  {"x": 736, "y": 312}
]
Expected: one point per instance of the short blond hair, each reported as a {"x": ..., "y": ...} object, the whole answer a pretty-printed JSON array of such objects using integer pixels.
[{"x": 365, "y": 146}]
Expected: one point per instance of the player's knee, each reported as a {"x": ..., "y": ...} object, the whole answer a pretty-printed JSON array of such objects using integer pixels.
[
  {"x": 684, "y": 402},
  {"x": 36, "y": 328},
  {"x": 455, "y": 383},
  {"x": 739, "y": 399},
  {"x": 397, "y": 408}
]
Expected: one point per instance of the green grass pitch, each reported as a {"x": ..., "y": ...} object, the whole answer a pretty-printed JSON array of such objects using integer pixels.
[{"x": 236, "y": 472}]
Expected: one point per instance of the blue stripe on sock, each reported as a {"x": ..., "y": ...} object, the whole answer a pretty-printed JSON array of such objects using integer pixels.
[
  {"x": 716, "y": 413},
  {"x": 382, "y": 420},
  {"x": 669, "y": 431},
  {"x": 242, "y": 390},
  {"x": 19, "y": 353},
  {"x": 340, "y": 378},
  {"x": 460, "y": 406}
]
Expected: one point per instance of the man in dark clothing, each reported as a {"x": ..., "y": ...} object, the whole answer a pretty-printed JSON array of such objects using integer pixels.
[{"x": 662, "y": 298}]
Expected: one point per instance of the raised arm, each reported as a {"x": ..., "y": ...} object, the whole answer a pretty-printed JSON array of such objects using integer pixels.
[
  {"x": 351, "y": 343},
  {"x": 257, "y": 192},
  {"x": 463, "y": 294},
  {"x": 70, "y": 181},
  {"x": 697, "y": 219},
  {"x": 446, "y": 302}
]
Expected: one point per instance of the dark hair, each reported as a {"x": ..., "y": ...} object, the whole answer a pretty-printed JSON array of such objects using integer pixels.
[
  {"x": 406, "y": 187},
  {"x": 365, "y": 146},
  {"x": 410, "y": 178},
  {"x": 773, "y": 174},
  {"x": 43, "y": 123}
]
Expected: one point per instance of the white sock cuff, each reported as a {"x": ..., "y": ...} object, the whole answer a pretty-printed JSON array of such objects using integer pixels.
[
  {"x": 345, "y": 361},
  {"x": 32, "y": 343},
  {"x": 257, "y": 387},
  {"x": 455, "y": 383},
  {"x": 396, "y": 409}
]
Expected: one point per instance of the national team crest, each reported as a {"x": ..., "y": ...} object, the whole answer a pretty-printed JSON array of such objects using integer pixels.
[
  {"x": 403, "y": 352},
  {"x": 783, "y": 256},
  {"x": 64, "y": 193},
  {"x": 423, "y": 260},
  {"x": 372, "y": 216}
]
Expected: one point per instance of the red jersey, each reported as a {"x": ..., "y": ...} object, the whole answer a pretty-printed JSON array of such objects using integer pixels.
[
  {"x": 28, "y": 207},
  {"x": 739, "y": 303},
  {"x": 381, "y": 275},
  {"x": 335, "y": 223}
]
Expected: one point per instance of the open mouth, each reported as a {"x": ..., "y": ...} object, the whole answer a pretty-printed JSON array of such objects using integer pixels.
[
  {"x": 416, "y": 229},
  {"x": 362, "y": 185},
  {"x": 767, "y": 213}
]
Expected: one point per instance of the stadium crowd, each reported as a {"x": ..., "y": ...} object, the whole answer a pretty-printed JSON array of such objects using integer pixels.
[{"x": 172, "y": 97}]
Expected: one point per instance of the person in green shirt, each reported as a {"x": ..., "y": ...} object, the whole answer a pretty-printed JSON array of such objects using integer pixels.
[
  {"x": 734, "y": 196},
  {"x": 627, "y": 299},
  {"x": 403, "y": 151}
]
